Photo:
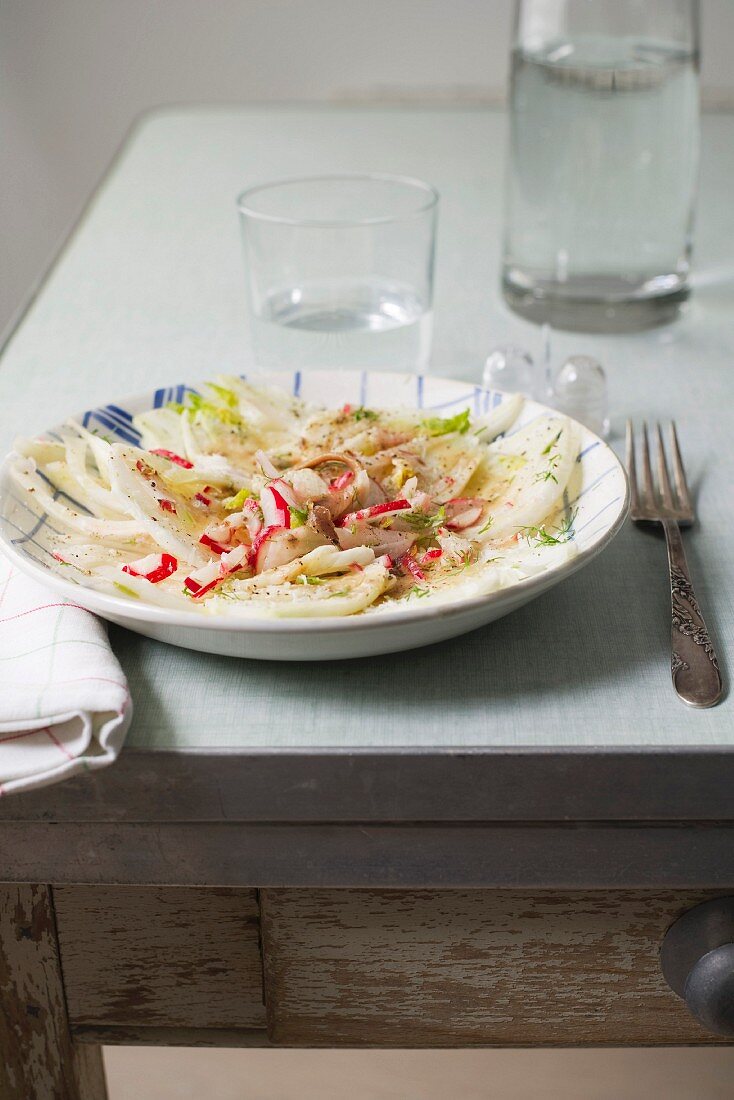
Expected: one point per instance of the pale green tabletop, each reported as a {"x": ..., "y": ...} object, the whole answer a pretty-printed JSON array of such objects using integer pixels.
[{"x": 151, "y": 291}]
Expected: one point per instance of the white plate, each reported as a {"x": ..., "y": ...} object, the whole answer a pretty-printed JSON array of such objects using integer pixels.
[{"x": 598, "y": 492}]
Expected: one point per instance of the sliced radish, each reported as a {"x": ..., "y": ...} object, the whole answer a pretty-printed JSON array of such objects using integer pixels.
[
  {"x": 253, "y": 517},
  {"x": 167, "y": 568},
  {"x": 229, "y": 524},
  {"x": 408, "y": 562},
  {"x": 274, "y": 508},
  {"x": 207, "y": 540},
  {"x": 341, "y": 481},
  {"x": 172, "y": 457},
  {"x": 462, "y": 512},
  {"x": 201, "y": 499},
  {"x": 465, "y": 519},
  {"x": 223, "y": 532},
  {"x": 166, "y": 505},
  {"x": 258, "y": 541},
  {"x": 386, "y": 560},
  {"x": 233, "y": 559},
  {"x": 377, "y": 510},
  {"x": 286, "y": 491},
  {"x": 432, "y": 555},
  {"x": 153, "y": 567},
  {"x": 203, "y": 580}
]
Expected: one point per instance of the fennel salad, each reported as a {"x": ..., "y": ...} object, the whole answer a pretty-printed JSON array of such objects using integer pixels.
[{"x": 247, "y": 501}]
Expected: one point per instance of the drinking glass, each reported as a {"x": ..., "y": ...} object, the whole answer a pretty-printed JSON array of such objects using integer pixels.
[
  {"x": 603, "y": 158},
  {"x": 340, "y": 272}
]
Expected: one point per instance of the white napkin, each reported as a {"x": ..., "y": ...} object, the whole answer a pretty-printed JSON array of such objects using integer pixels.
[{"x": 64, "y": 702}]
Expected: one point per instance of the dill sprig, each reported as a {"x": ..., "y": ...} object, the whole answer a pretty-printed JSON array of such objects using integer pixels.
[
  {"x": 541, "y": 536},
  {"x": 421, "y": 521},
  {"x": 467, "y": 558},
  {"x": 416, "y": 590},
  {"x": 547, "y": 450},
  {"x": 553, "y": 460}
]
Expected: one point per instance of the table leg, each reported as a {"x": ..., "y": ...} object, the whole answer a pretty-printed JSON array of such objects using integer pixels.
[{"x": 38, "y": 1059}]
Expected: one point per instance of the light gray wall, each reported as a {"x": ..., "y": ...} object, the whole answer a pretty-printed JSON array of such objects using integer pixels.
[{"x": 75, "y": 73}]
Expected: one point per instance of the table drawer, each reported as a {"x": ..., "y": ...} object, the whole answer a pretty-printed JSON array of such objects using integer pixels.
[
  {"x": 462, "y": 968},
  {"x": 160, "y": 957}
]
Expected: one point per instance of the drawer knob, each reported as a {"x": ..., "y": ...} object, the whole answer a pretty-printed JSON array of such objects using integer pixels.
[{"x": 697, "y": 959}]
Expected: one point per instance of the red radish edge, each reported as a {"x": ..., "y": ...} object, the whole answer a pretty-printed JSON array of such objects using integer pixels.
[
  {"x": 408, "y": 562},
  {"x": 217, "y": 547},
  {"x": 173, "y": 457},
  {"x": 376, "y": 510},
  {"x": 197, "y": 590},
  {"x": 200, "y": 589},
  {"x": 168, "y": 565},
  {"x": 274, "y": 508},
  {"x": 258, "y": 541},
  {"x": 341, "y": 481},
  {"x": 286, "y": 491},
  {"x": 282, "y": 505}
]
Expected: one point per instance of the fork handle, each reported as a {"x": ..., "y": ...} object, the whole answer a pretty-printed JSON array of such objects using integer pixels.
[{"x": 694, "y": 666}]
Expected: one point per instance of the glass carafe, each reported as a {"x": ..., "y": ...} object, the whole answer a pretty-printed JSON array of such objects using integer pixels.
[{"x": 603, "y": 161}]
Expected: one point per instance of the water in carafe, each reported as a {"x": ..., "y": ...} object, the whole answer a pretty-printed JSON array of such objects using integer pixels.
[{"x": 601, "y": 178}]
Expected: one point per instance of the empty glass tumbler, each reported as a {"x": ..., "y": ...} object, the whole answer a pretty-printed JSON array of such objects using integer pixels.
[
  {"x": 340, "y": 272},
  {"x": 603, "y": 161}
]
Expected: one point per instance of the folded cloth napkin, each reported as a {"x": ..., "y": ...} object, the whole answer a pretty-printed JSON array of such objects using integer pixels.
[{"x": 64, "y": 701}]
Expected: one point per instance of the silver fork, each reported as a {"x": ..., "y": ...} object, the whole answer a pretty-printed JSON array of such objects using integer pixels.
[{"x": 694, "y": 666}]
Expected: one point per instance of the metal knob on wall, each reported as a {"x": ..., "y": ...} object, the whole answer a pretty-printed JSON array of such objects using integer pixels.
[{"x": 697, "y": 960}]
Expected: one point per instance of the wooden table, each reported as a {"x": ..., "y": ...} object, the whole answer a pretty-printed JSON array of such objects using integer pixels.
[{"x": 481, "y": 843}]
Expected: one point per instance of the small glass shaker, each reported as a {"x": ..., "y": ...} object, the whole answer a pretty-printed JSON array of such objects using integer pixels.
[{"x": 580, "y": 391}]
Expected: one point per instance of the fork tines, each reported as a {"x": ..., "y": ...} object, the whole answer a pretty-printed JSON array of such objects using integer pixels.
[{"x": 651, "y": 502}]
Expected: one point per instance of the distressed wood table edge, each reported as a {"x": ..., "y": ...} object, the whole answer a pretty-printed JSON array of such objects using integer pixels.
[
  {"x": 403, "y": 785},
  {"x": 542, "y": 855}
]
